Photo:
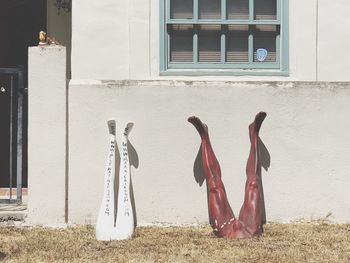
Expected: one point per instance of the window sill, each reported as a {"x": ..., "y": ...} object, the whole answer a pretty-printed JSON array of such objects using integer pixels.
[{"x": 223, "y": 72}]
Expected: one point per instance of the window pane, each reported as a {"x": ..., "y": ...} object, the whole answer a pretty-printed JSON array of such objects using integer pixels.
[
  {"x": 238, "y": 9},
  {"x": 265, "y": 9},
  {"x": 209, "y": 9},
  {"x": 209, "y": 44},
  {"x": 237, "y": 44},
  {"x": 265, "y": 39},
  {"x": 181, "y": 43},
  {"x": 181, "y": 9}
]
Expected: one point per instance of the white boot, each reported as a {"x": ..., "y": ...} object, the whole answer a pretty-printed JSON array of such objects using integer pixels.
[
  {"x": 124, "y": 227},
  {"x": 105, "y": 219}
]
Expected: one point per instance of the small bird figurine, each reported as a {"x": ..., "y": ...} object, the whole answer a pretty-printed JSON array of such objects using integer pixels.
[{"x": 42, "y": 38}]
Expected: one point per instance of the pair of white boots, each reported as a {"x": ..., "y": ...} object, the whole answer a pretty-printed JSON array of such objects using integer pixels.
[{"x": 108, "y": 226}]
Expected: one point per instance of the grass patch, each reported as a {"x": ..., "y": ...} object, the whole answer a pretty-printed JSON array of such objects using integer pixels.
[{"x": 280, "y": 243}]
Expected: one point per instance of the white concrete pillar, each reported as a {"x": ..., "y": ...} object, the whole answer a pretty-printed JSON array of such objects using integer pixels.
[{"x": 46, "y": 135}]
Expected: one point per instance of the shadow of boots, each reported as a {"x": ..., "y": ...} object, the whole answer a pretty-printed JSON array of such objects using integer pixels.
[
  {"x": 199, "y": 175},
  {"x": 134, "y": 161},
  {"x": 198, "y": 171},
  {"x": 265, "y": 159}
]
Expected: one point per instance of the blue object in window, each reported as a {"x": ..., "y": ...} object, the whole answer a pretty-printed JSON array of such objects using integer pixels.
[{"x": 261, "y": 54}]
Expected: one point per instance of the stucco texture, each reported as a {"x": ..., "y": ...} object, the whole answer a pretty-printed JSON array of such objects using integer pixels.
[
  {"x": 305, "y": 132},
  {"x": 47, "y": 92}
]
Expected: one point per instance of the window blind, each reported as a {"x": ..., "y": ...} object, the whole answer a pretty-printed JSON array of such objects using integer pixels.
[
  {"x": 237, "y": 9},
  {"x": 265, "y": 10},
  {"x": 209, "y": 9},
  {"x": 209, "y": 43},
  {"x": 181, "y": 43},
  {"x": 237, "y": 44},
  {"x": 193, "y": 41},
  {"x": 181, "y": 9},
  {"x": 265, "y": 37}
]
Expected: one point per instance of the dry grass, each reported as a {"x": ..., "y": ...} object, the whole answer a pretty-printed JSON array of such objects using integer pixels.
[{"x": 280, "y": 243}]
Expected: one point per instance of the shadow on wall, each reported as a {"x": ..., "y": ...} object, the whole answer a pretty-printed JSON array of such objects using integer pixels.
[
  {"x": 265, "y": 159},
  {"x": 134, "y": 161},
  {"x": 199, "y": 175}
]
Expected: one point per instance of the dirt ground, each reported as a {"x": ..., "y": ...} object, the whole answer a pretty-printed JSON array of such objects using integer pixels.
[{"x": 299, "y": 242}]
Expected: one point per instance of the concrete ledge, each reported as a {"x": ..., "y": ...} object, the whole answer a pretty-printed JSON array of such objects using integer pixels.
[
  {"x": 12, "y": 216},
  {"x": 207, "y": 83}
]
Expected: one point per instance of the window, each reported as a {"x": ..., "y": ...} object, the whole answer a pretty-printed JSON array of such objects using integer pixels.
[{"x": 224, "y": 36}]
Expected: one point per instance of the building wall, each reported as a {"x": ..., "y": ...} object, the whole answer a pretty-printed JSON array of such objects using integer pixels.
[
  {"x": 100, "y": 39},
  {"x": 305, "y": 132},
  {"x": 120, "y": 40},
  {"x": 115, "y": 74},
  {"x": 333, "y": 50}
]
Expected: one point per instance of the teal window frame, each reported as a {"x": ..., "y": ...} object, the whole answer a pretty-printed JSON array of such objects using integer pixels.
[{"x": 278, "y": 68}]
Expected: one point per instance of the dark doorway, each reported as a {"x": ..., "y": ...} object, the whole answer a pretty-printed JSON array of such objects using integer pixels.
[
  {"x": 5, "y": 129},
  {"x": 20, "y": 23}
]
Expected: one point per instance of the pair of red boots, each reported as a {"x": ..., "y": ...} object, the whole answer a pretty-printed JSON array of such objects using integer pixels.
[{"x": 252, "y": 215}]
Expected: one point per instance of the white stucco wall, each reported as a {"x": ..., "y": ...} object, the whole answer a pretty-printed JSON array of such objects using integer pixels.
[
  {"x": 46, "y": 135},
  {"x": 120, "y": 40},
  {"x": 334, "y": 37},
  {"x": 100, "y": 45},
  {"x": 306, "y": 133}
]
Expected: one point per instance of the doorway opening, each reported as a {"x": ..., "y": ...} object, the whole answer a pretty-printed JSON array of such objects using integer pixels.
[{"x": 20, "y": 23}]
